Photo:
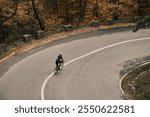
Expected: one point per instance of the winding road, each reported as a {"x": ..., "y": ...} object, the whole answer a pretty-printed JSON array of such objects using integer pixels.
[{"x": 93, "y": 62}]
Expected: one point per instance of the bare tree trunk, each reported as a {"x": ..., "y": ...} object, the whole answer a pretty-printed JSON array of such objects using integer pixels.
[
  {"x": 39, "y": 18},
  {"x": 67, "y": 12},
  {"x": 141, "y": 4},
  {"x": 55, "y": 7},
  {"x": 82, "y": 6},
  {"x": 95, "y": 9}
]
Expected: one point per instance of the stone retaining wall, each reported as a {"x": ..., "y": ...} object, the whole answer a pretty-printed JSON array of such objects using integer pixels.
[{"x": 132, "y": 83}]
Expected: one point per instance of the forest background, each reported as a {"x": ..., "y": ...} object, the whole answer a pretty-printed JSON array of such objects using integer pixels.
[{"x": 20, "y": 17}]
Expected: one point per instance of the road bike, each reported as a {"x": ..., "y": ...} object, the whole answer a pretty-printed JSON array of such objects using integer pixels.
[{"x": 58, "y": 68}]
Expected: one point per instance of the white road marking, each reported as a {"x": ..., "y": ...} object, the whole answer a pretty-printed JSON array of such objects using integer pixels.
[
  {"x": 122, "y": 78},
  {"x": 73, "y": 60},
  {"x": 7, "y": 57}
]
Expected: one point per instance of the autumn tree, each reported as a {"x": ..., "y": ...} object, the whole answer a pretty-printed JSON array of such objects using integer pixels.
[
  {"x": 8, "y": 10},
  {"x": 54, "y": 6}
]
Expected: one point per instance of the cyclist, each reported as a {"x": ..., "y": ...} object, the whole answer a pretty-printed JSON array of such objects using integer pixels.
[{"x": 59, "y": 60}]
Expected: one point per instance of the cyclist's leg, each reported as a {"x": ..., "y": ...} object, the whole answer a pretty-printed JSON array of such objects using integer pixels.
[{"x": 57, "y": 64}]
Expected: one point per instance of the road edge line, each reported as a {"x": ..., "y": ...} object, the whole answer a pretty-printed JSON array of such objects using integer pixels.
[{"x": 7, "y": 57}]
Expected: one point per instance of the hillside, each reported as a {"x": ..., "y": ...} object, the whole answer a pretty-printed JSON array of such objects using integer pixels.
[{"x": 19, "y": 17}]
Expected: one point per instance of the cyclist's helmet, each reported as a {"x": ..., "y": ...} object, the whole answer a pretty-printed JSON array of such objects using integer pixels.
[{"x": 60, "y": 54}]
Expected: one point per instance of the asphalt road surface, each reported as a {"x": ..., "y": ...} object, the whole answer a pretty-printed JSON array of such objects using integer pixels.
[{"x": 92, "y": 69}]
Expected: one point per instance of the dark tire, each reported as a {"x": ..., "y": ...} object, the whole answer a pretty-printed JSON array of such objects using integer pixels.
[{"x": 55, "y": 71}]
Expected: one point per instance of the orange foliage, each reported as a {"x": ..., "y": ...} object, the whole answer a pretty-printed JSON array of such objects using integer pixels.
[{"x": 123, "y": 9}]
